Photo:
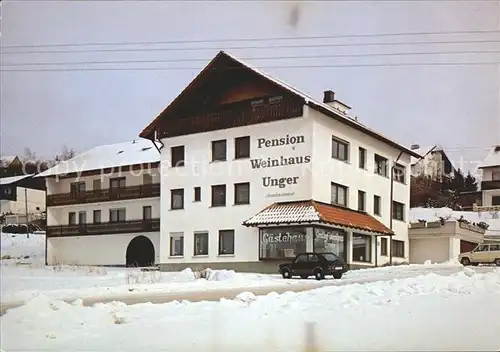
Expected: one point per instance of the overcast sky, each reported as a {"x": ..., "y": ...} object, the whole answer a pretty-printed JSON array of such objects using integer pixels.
[{"x": 455, "y": 106}]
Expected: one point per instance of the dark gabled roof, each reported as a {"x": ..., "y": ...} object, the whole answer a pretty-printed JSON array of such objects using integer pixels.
[{"x": 313, "y": 103}]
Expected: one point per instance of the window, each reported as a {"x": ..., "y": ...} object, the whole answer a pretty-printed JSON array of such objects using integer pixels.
[
  {"x": 383, "y": 246},
  {"x": 398, "y": 248},
  {"x": 118, "y": 182},
  {"x": 376, "y": 205},
  {"x": 495, "y": 200},
  {"x": 361, "y": 248},
  {"x": 339, "y": 194},
  {"x": 197, "y": 194},
  {"x": 72, "y": 218},
  {"x": 482, "y": 248},
  {"x": 226, "y": 242},
  {"x": 201, "y": 243},
  {"x": 219, "y": 150},
  {"x": 147, "y": 179},
  {"x": 330, "y": 241},
  {"x": 96, "y": 185},
  {"x": 219, "y": 196},
  {"x": 177, "y": 199},
  {"x": 82, "y": 217},
  {"x": 177, "y": 156},
  {"x": 242, "y": 193},
  {"x": 380, "y": 165},
  {"x": 361, "y": 200},
  {"x": 97, "y": 217},
  {"x": 398, "y": 173},
  {"x": 176, "y": 244},
  {"x": 398, "y": 211},
  {"x": 117, "y": 215},
  {"x": 495, "y": 176},
  {"x": 494, "y": 247},
  {"x": 242, "y": 147},
  {"x": 279, "y": 243},
  {"x": 340, "y": 149},
  {"x": 76, "y": 187},
  {"x": 147, "y": 212},
  {"x": 362, "y": 158}
]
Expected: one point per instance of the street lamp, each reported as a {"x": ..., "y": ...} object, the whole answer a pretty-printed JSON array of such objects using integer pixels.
[{"x": 391, "y": 197}]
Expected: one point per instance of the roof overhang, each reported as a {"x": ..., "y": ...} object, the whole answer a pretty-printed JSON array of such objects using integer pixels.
[{"x": 312, "y": 212}]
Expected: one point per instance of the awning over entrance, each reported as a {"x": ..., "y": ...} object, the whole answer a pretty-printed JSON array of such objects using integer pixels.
[{"x": 303, "y": 212}]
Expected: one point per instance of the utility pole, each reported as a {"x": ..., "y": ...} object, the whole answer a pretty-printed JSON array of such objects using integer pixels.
[{"x": 26, "y": 211}]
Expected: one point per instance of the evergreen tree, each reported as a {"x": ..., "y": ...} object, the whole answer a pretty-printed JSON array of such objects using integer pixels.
[{"x": 470, "y": 183}]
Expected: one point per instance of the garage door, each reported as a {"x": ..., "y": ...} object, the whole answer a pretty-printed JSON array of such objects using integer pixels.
[{"x": 466, "y": 246}]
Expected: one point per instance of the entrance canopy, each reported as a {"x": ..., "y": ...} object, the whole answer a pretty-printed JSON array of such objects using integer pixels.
[{"x": 311, "y": 211}]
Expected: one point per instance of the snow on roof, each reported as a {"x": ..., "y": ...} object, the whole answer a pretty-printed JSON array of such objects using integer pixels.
[
  {"x": 13, "y": 179},
  {"x": 492, "y": 159},
  {"x": 433, "y": 214},
  {"x": 7, "y": 159},
  {"x": 107, "y": 156}
]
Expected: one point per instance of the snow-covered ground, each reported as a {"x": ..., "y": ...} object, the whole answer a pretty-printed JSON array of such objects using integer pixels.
[
  {"x": 433, "y": 214},
  {"x": 408, "y": 307},
  {"x": 428, "y": 312}
]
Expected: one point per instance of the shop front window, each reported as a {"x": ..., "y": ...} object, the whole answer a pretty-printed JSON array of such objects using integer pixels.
[
  {"x": 282, "y": 242},
  {"x": 361, "y": 248},
  {"x": 329, "y": 241}
]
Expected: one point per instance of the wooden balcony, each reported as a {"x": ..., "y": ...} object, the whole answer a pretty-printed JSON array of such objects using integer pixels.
[
  {"x": 487, "y": 185},
  {"x": 232, "y": 115},
  {"x": 104, "y": 228},
  {"x": 104, "y": 195}
]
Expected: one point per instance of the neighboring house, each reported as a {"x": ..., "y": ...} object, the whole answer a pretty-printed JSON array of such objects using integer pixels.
[
  {"x": 22, "y": 196},
  {"x": 434, "y": 163},
  {"x": 103, "y": 206},
  {"x": 15, "y": 166},
  {"x": 442, "y": 241},
  {"x": 257, "y": 171},
  {"x": 490, "y": 185}
]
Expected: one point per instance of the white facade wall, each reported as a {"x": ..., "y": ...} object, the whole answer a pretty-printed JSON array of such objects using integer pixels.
[
  {"x": 99, "y": 249},
  {"x": 199, "y": 171},
  {"x": 95, "y": 250},
  {"x": 487, "y": 195},
  {"x": 35, "y": 203},
  {"x": 327, "y": 170},
  {"x": 313, "y": 182}
]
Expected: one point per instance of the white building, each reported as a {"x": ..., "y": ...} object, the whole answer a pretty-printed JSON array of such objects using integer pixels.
[
  {"x": 103, "y": 207},
  {"x": 255, "y": 171},
  {"x": 490, "y": 185},
  {"x": 434, "y": 163},
  {"x": 20, "y": 197}
]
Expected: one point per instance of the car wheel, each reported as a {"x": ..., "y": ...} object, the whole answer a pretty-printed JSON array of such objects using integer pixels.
[
  {"x": 319, "y": 275},
  {"x": 304, "y": 277},
  {"x": 286, "y": 274},
  {"x": 337, "y": 276},
  {"x": 465, "y": 261},
  {"x": 497, "y": 262}
]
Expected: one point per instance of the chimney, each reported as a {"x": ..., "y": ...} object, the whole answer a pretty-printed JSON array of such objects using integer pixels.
[{"x": 329, "y": 99}]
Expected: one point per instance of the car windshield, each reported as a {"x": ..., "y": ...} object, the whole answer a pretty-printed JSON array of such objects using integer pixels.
[{"x": 330, "y": 257}]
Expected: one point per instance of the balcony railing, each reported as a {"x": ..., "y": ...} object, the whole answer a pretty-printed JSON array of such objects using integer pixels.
[
  {"x": 104, "y": 195},
  {"x": 486, "y": 185},
  {"x": 104, "y": 228},
  {"x": 232, "y": 115}
]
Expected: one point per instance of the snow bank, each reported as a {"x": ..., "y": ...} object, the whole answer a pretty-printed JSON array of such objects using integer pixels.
[
  {"x": 29, "y": 248},
  {"x": 429, "y": 312}
]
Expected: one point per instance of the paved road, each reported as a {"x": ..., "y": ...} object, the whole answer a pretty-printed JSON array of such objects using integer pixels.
[{"x": 358, "y": 277}]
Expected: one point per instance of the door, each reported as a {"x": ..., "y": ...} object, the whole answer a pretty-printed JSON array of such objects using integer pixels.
[
  {"x": 481, "y": 254},
  {"x": 82, "y": 221},
  {"x": 299, "y": 266},
  {"x": 146, "y": 217}
]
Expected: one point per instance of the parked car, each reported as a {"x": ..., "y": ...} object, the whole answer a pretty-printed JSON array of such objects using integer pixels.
[
  {"x": 318, "y": 265},
  {"x": 482, "y": 254}
]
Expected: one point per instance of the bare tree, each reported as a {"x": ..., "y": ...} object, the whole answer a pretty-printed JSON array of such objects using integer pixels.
[{"x": 66, "y": 154}]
